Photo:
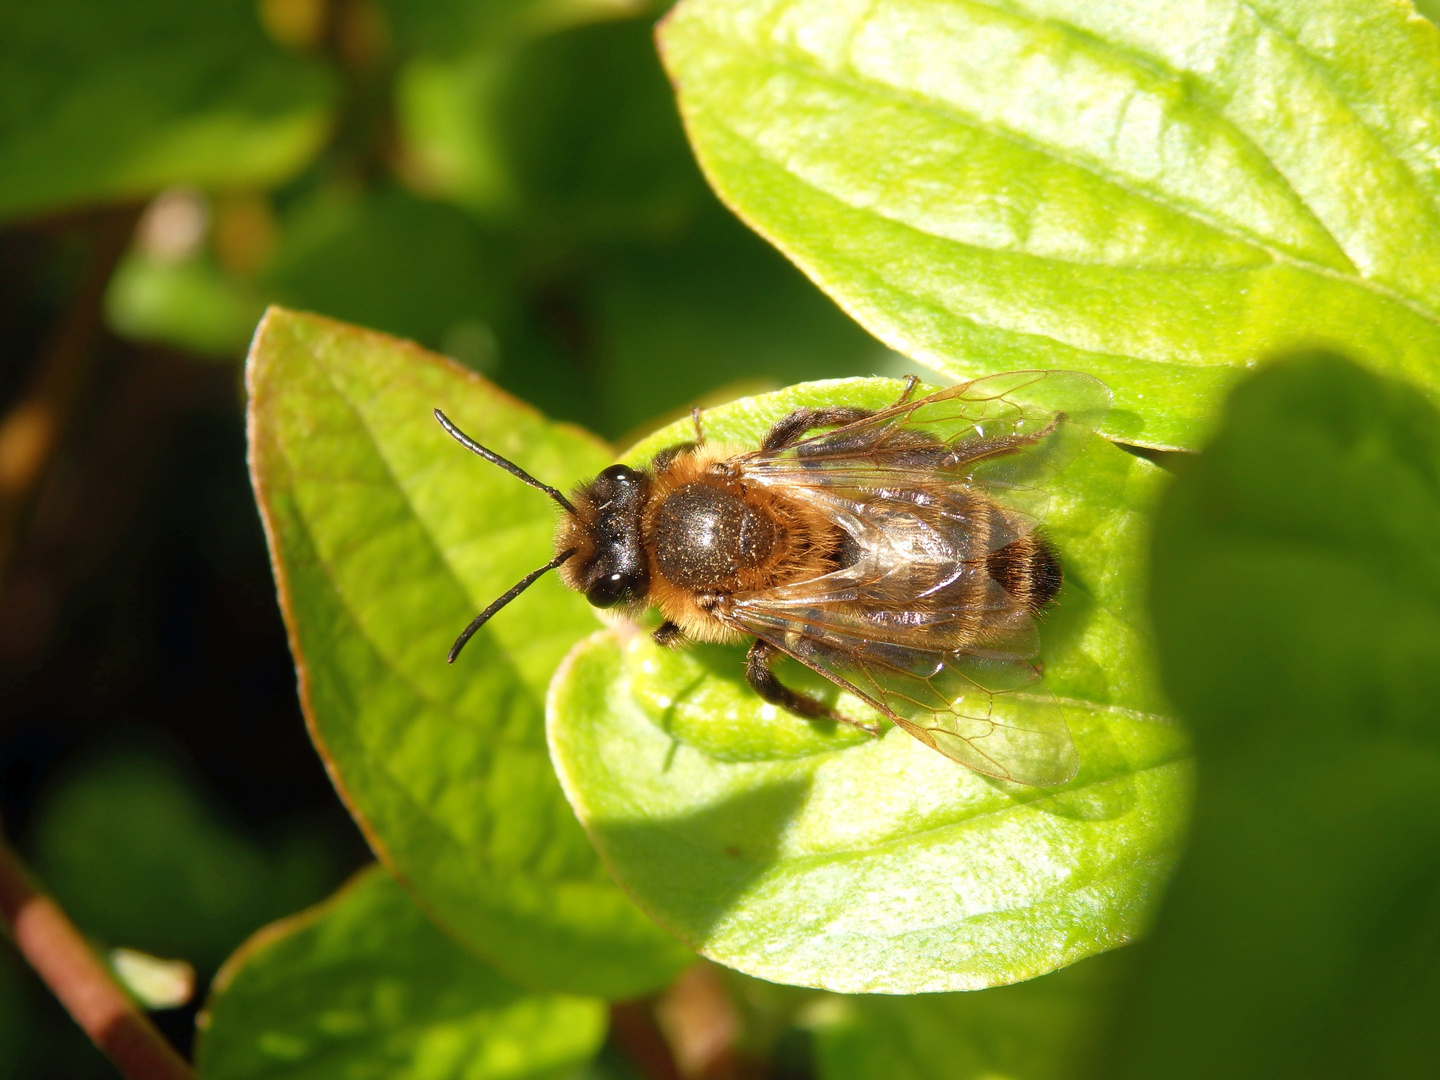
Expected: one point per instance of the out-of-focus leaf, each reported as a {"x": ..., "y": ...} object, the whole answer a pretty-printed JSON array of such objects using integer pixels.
[
  {"x": 102, "y": 100},
  {"x": 877, "y": 865},
  {"x": 446, "y": 27},
  {"x": 386, "y": 538},
  {"x": 445, "y": 109},
  {"x": 1034, "y": 1031},
  {"x": 137, "y": 858},
  {"x": 714, "y": 306},
  {"x": 635, "y": 292},
  {"x": 407, "y": 266},
  {"x": 426, "y": 270},
  {"x": 1160, "y": 194},
  {"x": 573, "y": 135},
  {"x": 37, "y": 1038},
  {"x": 1297, "y": 602},
  {"x": 191, "y": 304},
  {"x": 364, "y": 986}
]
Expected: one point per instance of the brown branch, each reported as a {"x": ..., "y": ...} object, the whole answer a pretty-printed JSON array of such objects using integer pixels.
[
  {"x": 48, "y": 939},
  {"x": 633, "y": 1027}
]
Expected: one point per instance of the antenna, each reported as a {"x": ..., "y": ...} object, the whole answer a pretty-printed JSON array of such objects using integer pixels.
[
  {"x": 509, "y": 594},
  {"x": 509, "y": 466}
]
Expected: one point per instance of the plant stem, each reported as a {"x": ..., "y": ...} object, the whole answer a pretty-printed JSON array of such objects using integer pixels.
[
  {"x": 633, "y": 1027},
  {"x": 48, "y": 939}
]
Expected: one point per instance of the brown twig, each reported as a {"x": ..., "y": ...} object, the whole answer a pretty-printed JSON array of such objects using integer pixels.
[
  {"x": 48, "y": 939},
  {"x": 633, "y": 1027}
]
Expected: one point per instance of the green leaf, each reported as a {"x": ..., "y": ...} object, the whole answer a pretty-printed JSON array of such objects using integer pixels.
[
  {"x": 364, "y": 986},
  {"x": 445, "y": 27},
  {"x": 741, "y": 318},
  {"x": 407, "y": 266},
  {"x": 634, "y": 292},
  {"x": 574, "y": 134},
  {"x": 1157, "y": 194},
  {"x": 1033, "y": 1031},
  {"x": 810, "y": 857},
  {"x": 1297, "y": 605},
  {"x": 37, "y": 1036},
  {"x": 192, "y": 304},
  {"x": 386, "y": 538},
  {"x": 101, "y": 100}
]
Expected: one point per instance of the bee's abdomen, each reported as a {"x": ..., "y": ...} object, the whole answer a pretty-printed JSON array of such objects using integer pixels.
[
  {"x": 706, "y": 536},
  {"x": 1028, "y": 570}
]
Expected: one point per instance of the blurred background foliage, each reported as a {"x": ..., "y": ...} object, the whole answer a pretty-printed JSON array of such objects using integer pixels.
[{"x": 504, "y": 181}]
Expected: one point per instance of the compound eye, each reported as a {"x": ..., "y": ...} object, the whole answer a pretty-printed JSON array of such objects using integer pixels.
[
  {"x": 611, "y": 589},
  {"x": 620, "y": 474}
]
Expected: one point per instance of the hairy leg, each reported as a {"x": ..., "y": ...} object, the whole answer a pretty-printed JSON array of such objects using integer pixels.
[
  {"x": 790, "y": 429},
  {"x": 763, "y": 681},
  {"x": 667, "y": 634},
  {"x": 669, "y": 454}
]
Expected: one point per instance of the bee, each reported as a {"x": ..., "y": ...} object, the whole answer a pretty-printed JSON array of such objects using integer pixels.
[{"x": 893, "y": 551}]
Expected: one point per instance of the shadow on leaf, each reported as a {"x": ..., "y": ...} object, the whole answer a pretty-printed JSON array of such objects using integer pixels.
[{"x": 705, "y": 861}]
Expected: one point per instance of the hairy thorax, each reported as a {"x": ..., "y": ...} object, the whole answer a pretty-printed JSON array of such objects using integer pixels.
[
  {"x": 708, "y": 537},
  {"x": 712, "y": 536}
]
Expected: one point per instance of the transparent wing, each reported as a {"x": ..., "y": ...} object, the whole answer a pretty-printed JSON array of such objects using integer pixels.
[
  {"x": 1004, "y": 436},
  {"x": 986, "y": 709},
  {"x": 915, "y": 623},
  {"x": 919, "y": 628},
  {"x": 919, "y": 577}
]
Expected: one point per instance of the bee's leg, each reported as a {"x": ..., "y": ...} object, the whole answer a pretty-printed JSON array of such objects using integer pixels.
[
  {"x": 667, "y": 634},
  {"x": 763, "y": 681},
  {"x": 699, "y": 431},
  {"x": 669, "y": 454},
  {"x": 789, "y": 429},
  {"x": 911, "y": 381},
  {"x": 1008, "y": 444}
]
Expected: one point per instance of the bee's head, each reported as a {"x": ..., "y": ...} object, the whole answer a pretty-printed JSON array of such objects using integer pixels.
[
  {"x": 597, "y": 544},
  {"x": 609, "y": 565}
]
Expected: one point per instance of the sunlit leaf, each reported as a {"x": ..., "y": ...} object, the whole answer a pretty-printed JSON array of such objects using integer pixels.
[
  {"x": 813, "y": 857},
  {"x": 1160, "y": 194},
  {"x": 1297, "y": 604},
  {"x": 364, "y": 986},
  {"x": 386, "y": 538}
]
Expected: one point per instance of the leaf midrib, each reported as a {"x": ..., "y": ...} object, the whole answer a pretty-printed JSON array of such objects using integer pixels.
[{"x": 396, "y": 670}]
